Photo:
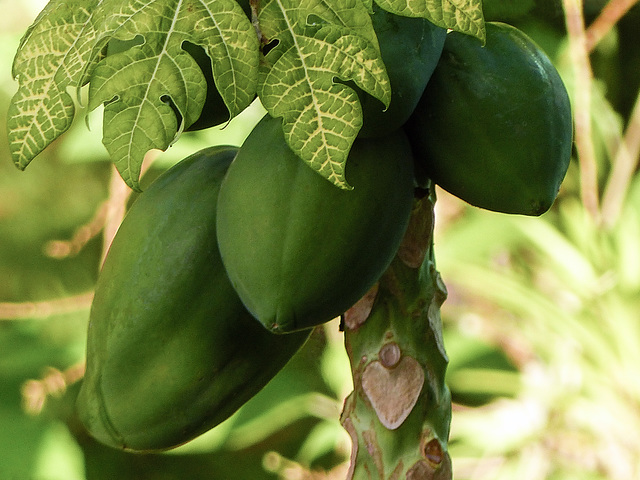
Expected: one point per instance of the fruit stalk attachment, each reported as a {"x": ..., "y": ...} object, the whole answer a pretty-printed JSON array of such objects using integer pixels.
[{"x": 399, "y": 413}]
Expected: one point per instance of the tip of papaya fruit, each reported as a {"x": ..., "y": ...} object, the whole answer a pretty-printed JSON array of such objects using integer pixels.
[
  {"x": 540, "y": 206},
  {"x": 281, "y": 322},
  {"x": 93, "y": 415}
]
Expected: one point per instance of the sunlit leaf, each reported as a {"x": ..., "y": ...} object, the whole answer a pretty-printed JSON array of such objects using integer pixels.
[
  {"x": 316, "y": 46},
  {"x": 460, "y": 15},
  {"x": 51, "y": 56},
  {"x": 148, "y": 89},
  {"x": 143, "y": 85}
]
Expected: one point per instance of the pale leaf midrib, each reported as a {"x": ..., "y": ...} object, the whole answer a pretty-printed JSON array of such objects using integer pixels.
[
  {"x": 304, "y": 67},
  {"x": 51, "y": 82},
  {"x": 140, "y": 108},
  {"x": 226, "y": 47}
]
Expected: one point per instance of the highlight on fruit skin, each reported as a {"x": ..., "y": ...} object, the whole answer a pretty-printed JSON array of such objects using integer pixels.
[
  {"x": 299, "y": 250},
  {"x": 171, "y": 351},
  {"x": 494, "y": 125}
]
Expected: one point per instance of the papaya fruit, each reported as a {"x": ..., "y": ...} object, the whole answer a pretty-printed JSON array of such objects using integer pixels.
[
  {"x": 494, "y": 124},
  {"x": 299, "y": 250},
  {"x": 171, "y": 351},
  {"x": 410, "y": 49}
]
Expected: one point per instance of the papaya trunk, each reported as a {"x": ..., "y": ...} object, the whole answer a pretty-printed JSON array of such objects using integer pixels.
[{"x": 399, "y": 413}]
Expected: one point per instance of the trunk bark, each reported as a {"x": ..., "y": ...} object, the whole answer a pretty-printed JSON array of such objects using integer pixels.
[{"x": 399, "y": 413}]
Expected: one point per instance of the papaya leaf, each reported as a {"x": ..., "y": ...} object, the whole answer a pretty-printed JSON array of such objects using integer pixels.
[
  {"x": 316, "y": 45},
  {"x": 51, "y": 55},
  {"x": 463, "y": 16},
  {"x": 146, "y": 90},
  {"x": 347, "y": 13},
  {"x": 144, "y": 86}
]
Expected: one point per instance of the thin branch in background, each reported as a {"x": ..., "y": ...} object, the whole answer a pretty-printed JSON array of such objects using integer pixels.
[
  {"x": 609, "y": 16},
  {"x": 53, "y": 383},
  {"x": 108, "y": 216},
  {"x": 583, "y": 77},
  {"x": 60, "y": 249},
  {"x": 119, "y": 194},
  {"x": 46, "y": 308},
  {"x": 624, "y": 165},
  {"x": 291, "y": 470}
]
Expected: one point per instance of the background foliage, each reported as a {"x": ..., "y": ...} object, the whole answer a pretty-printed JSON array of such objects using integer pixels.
[{"x": 541, "y": 325}]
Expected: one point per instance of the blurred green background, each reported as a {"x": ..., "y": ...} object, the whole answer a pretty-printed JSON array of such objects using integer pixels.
[{"x": 542, "y": 323}]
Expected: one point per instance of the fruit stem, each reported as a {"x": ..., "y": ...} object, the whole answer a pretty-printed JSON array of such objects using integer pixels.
[
  {"x": 608, "y": 17},
  {"x": 582, "y": 105},
  {"x": 399, "y": 412},
  {"x": 624, "y": 165},
  {"x": 116, "y": 203}
]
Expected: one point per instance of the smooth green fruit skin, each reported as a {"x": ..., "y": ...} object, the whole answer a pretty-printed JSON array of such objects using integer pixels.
[
  {"x": 410, "y": 49},
  {"x": 171, "y": 351},
  {"x": 494, "y": 125},
  {"x": 299, "y": 250}
]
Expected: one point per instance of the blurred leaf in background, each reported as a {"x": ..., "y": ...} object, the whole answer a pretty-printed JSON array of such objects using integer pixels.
[{"x": 45, "y": 205}]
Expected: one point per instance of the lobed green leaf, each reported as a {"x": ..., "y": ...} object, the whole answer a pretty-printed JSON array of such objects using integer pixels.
[
  {"x": 464, "y": 16},
  {"x": 143, "y": 87},
  {"x": 316, "y": 45},
  {"x": 50, "y": 57},
  {"x": 155, "y": 90}
]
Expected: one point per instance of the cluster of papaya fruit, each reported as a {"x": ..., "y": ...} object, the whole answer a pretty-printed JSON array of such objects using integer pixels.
[{"x": 223, "y": 266}]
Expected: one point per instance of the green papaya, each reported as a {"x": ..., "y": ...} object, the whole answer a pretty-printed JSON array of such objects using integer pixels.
[
  {"x": 410, "y": 49},
  {"x": 299, "y": 250},
  {"x": 171, "y": 351},
  {"x": 494, "y": 125}
]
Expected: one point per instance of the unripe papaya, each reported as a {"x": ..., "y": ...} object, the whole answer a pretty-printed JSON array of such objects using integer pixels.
[
  {"x": 299, "y": 250},
  {"x": 494, "y": 126},
  {"x": 171, "y": 351},
  {"x": 410, "y": 49}
]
